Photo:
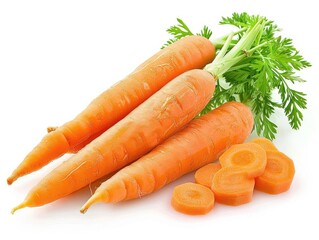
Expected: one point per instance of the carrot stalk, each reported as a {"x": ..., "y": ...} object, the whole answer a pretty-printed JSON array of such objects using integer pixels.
[
  {"x": 201, "y": 142},
  {"x": 158, "y": 118},
  {"x": 115, "y": 103}
]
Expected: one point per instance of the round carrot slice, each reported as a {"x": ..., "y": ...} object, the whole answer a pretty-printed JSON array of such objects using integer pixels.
[
  {"x": 204, "y": 175},
  {"x": 265, "y": 143},
  {"x": 250, "y": 157},
  {"x": 192, "y": 199},
  {"x": 231, "y": 186},
  {"x": 278, "y": 174}
]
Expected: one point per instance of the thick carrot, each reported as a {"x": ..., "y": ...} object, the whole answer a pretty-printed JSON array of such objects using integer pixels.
[
  {"x": 278, "y": 174},
  {"x": 192, "y": 199},
  {"x": 249, "y": 156},
  {"x": 115, "y": 103},
  {"x": 158, "y": 118},
  {"x": 265, "y": 143},
  {"x": 204, "y": 175},
  {"x": 201, "y": 142},
  {"x": 232, "y": 186}
]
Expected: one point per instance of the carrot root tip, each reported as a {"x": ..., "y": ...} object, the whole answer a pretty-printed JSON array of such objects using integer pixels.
[
  {"x": 11, "y": 179},
  {"x": 21, "y": 205}
]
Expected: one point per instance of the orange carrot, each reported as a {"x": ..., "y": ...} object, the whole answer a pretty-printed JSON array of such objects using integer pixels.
[
  {"x": 232, "y": 186},
  {"x": 81, "y": 145},
  {"x": 265, "y": 143},
  {"x": 115, "y": 103},
  {"x": 278, "y": 174},
  {"x": 158, "y": 118},
  {"x": 192, "y": 199},
  {"x": 201, "y": 142},
  {"x": 204, "y": 175},
  {"x": 249, "y": 156}
]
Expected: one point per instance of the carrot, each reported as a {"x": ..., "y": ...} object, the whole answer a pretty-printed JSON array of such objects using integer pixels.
[
  {"x": 81, "y": 145},
  {"x": 158, "y": 118},
  {"x": 204, "y": 175},
  {"x": 201, "y": 142},
  {"x": 232, "y": 186},
  {"x": 192, "y": 199},
  {"x": 278, "y": 174},
  {"x": 265, "y": 143},
  {"x": 115, "y": 103},
  {"x": 248, "y": 156}
]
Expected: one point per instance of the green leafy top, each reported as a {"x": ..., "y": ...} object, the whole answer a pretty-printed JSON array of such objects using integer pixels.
[{"x": 267, "y": 69}]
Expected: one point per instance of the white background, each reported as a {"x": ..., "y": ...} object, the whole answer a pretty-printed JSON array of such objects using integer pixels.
[{"x": 56, "y": 56}]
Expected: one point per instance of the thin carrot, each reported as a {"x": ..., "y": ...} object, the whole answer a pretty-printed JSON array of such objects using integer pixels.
[
  {"x": 201, "y": 142},
  {"x": 232, "y": 186},
  {"x": 265, "y": 143},
  {"x": 158, "y": 118},
  {"x": 192, "y": 199},
  {"x": 278, "y": 174},
  {"x": 249, "y": 156},
  {"x": 204, "y": 175},
  {"x": 115, "y": 103}
]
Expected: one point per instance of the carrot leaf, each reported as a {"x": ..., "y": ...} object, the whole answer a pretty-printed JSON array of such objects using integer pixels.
[{"x": 265, "y": 64}]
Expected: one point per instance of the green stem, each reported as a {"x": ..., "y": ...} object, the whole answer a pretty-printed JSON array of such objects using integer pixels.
[
  {"x": 224, "y": 61},
  {"x": 220, "y": 42}
]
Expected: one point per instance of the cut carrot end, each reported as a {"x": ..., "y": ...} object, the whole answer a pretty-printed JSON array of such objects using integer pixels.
[{"x": 21, "y": 205}]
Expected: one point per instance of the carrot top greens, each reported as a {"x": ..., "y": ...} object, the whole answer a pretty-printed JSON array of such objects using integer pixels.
[{"x": 267, "y": 65}]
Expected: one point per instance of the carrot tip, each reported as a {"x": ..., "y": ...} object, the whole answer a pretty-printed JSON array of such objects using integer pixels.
[
  {"x": 11, "y": 179},
  {"x": 87, "y": 205},
  {"x": 21, "y": 205},
  {"x": 94, "y": 199}
]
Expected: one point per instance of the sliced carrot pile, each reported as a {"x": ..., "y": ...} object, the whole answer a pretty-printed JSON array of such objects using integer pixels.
[
  {"x": 250, "y": 157},
  {"x": 204, "y": 175},
  {"x": 278, "y": 174},
  {"x": 265, "y": 143},
  {"x": 192, "y": 199}
]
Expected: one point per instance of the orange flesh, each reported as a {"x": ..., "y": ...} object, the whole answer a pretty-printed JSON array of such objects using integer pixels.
[
  {"x": 278, "y": 175},
  {"x": 192, "y": 199}
]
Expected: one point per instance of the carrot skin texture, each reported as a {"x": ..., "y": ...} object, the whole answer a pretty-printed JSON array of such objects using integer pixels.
[
  {"x": 163, "y": 114},
  {"x": 201, "y": 142},
  {"x": 115, "y": 103},
  {"x": 81, "y": 145}
]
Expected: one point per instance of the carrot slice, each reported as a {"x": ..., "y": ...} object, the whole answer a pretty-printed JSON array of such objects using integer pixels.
[
  {"x": 265, "y": 143},
  {"x": 192, "y": 199},
  {"x": 248, "y": 156},
  {"x": 232, "y": 186},
  {"x": 204, "y": 175},
  {"x": 278, "y": 174}
]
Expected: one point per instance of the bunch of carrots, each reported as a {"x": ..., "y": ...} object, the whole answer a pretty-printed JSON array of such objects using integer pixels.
[{"x": 172, "y": 138}]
